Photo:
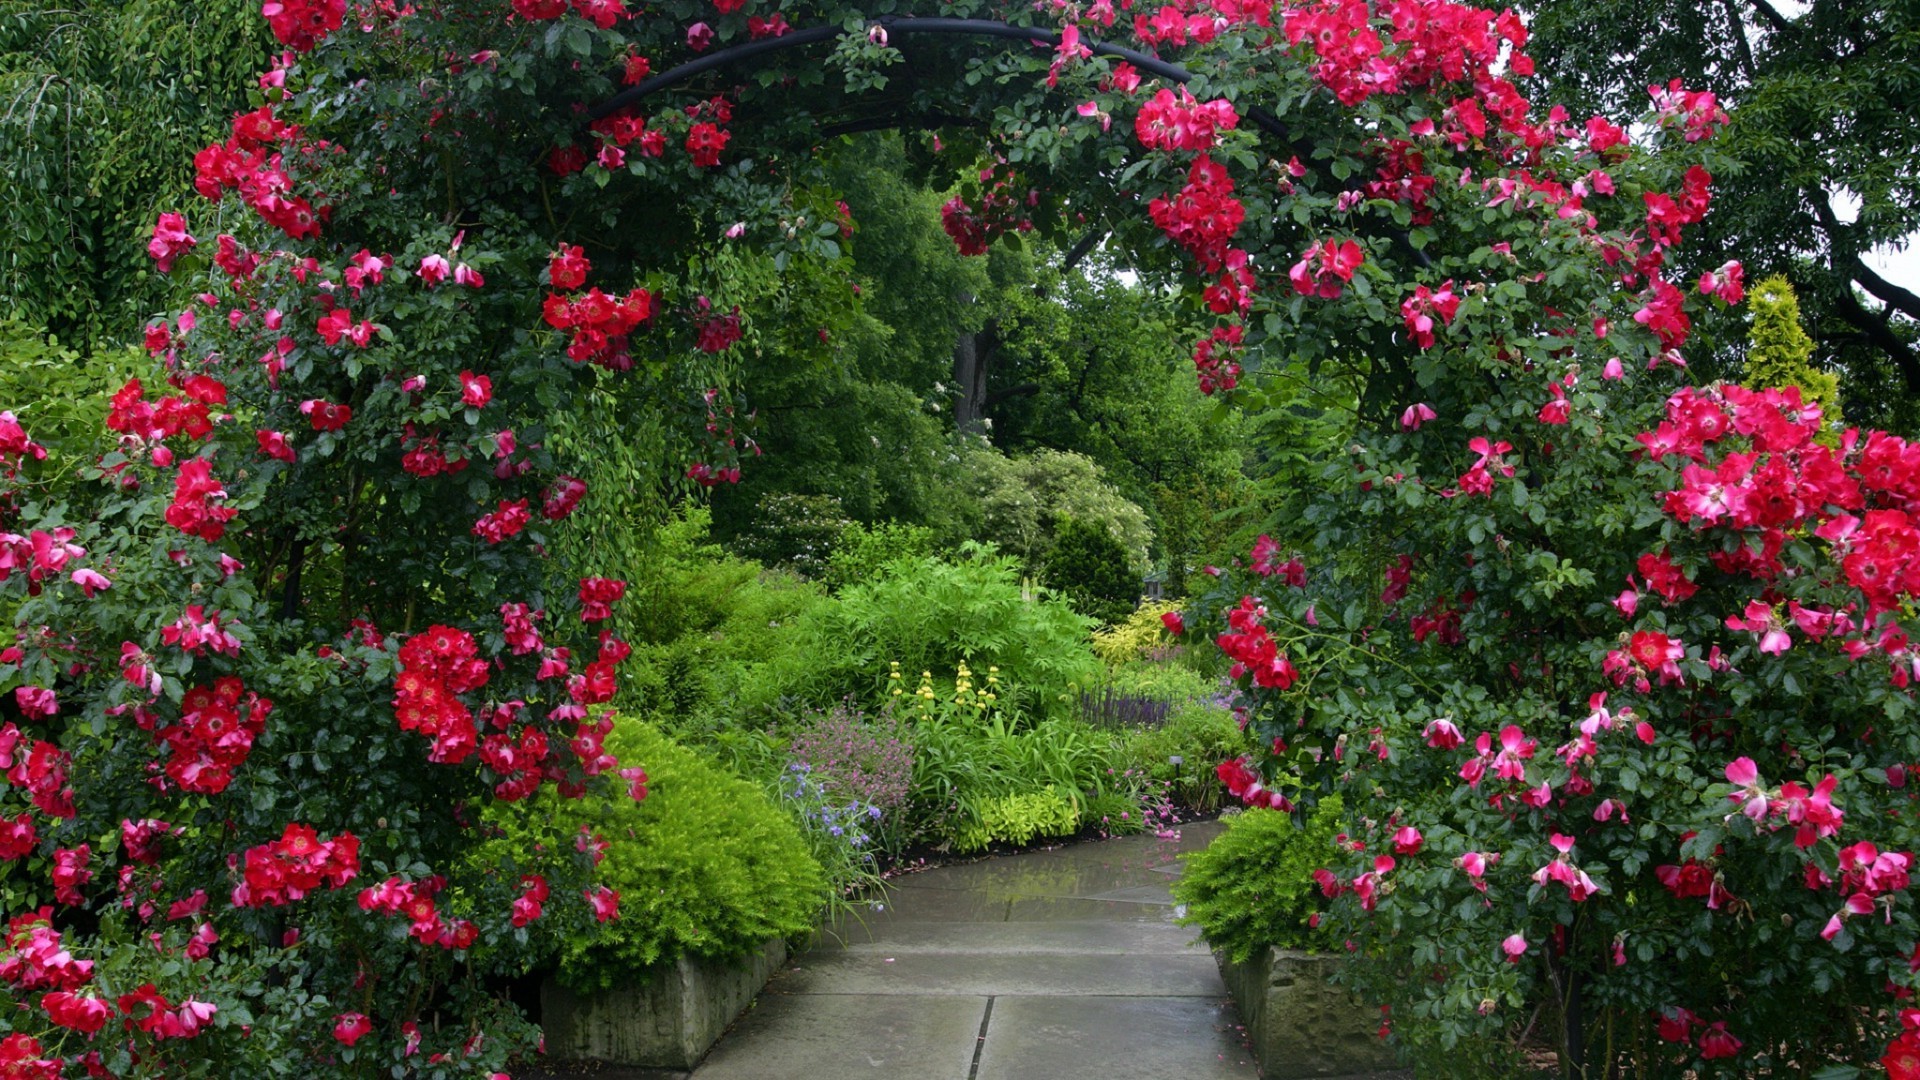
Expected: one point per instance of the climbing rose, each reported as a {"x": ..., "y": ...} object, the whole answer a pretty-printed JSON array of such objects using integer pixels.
[
  {"x": 351, "y": 1027},
  {"x": 300, "y": 24},
  {"x": 475, "y": 390},
  {"x": 170, "y": 241},
  {"x": 704, "y": 142},
  {"x": 567, "y": 268},
  {"x": 597, "y": 595}
]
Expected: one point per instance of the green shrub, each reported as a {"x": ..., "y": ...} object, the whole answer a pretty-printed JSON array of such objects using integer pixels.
[
  {"x": 1183, "y": 752},
  {"x": 1022, "y": 499},
  {"x": 1018, "y": 819},
  {"x": 706, "y": 865},
  {"x": 796, "y": 532},
  {"x": 930, "y": 615},
  {"x": 704, "y": 624},
  {"x": 1167, "y": 682},
  {"x": 968, "y": 755},
  {"x": 1089, "y": 567},
  {"x": 1253, "y": 886},
  {"x": 864, "y": 549}
]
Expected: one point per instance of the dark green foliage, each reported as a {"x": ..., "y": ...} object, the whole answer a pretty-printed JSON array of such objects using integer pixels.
[
  {"x": 706, "y": 865},
  {"x": 101, "y": 107},
  {"x": 1253, "y": 886},
  {"x": 1089, "y": 567},
  {"x": 1821, "y": 97}
]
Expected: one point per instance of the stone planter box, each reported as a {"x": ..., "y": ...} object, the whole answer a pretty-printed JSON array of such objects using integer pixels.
[
  {"x": 667, "y": 1020},
  {"x": 1301, "y": 1025}
]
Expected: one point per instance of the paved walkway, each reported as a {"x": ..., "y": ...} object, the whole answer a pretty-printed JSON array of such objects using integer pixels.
[{"x": 1054, "y": 965}]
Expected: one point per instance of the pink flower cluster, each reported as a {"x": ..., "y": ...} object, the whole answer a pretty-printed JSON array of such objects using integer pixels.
[{"x": 1169, "y": 122}]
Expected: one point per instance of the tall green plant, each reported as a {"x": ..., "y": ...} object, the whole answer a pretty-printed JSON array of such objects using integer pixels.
[
  {"x": 931, "y": 614},
  {"x": 1780, "y": 353}
]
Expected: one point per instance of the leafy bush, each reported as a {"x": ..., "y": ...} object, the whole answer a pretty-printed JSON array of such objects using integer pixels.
[
  {"x": 1167, "y": 682},
  {"x": 1137, "y": 637},
  {"x": 707, "y": 623},
  {"x": 931, "y": 615},
  {"x": 706, "y": 865},
  {"x": 864, "y": 550},
  {"x": 969, "y": 751},
  {"x": 1253, "y": 886},
  {"x": 797, "y": 532},
  {"x": 1018, "y": 818},
  {"x": 1184, "y": 751},
  {"x": 1023, "y": 499},
  {"x": 1089, "y": 567}
]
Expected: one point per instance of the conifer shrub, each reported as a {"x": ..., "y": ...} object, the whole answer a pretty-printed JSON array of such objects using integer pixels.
[
  {"x": 1780, "y": 353},
  {"x": 1089, "y": 567}
]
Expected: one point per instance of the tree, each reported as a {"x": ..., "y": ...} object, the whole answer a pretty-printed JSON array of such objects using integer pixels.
[
  {"x": 1821, "y": 99},
  {"x": 96, "y": 100}
]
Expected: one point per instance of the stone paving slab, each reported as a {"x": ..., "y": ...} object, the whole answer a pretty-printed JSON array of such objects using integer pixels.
[
  {"x": 1080, "y": 936},
  {"x": 1104, "y": 1038},
  {"x": 969, "y": 973},
  {"x": 1073, "y": 909},
  {"x": 834, "y": 1036},
  {"x": 1155, "y": 893}
]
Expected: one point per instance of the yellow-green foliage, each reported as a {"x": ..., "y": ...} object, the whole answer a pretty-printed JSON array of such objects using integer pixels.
[
  {"x": 1133, "y": 639},
  {"x": 1253, "y": 886},
  {"x": 1780, "y": 353},
  {"x": 1018, "y": 819},
  {"x": 705, "y": 865}
]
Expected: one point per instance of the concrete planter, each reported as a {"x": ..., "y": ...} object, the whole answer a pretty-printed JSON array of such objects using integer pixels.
[
  {"x": 666, "y": 1020},
  {"x": 1302, "y": 1025}
]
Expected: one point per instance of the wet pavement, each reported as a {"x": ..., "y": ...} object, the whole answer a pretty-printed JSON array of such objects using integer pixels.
[{"x": 1048, "y": 965}]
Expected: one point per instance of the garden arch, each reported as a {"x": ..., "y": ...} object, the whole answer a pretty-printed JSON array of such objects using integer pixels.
[{"x": 349, "y": 521}]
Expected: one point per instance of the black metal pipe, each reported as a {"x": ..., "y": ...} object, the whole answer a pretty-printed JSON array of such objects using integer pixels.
[
  {"x": 909, "y": 25},
  {"x": 893, "y": 24}
]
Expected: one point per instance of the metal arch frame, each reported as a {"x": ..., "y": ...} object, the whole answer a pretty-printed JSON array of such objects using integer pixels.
[{"x": 894, "y": 24}]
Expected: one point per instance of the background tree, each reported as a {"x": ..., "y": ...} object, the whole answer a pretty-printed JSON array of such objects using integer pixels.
[
  {"x": 96, "y": 98},
  {"x": 1822, "y": 99}
]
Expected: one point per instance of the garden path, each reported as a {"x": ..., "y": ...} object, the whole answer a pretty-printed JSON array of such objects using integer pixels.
[{"x": 1047, "y": 965}]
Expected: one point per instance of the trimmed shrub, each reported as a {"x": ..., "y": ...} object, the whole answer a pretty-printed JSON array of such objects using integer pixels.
[
  {"x": 1089, "y": 567},
  {"x": 931, "y": 615},
  {"x": 1253, "y": 886}
]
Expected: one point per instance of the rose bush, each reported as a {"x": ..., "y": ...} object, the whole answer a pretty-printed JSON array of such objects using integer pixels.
[{"x": 264, "y": 689}]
